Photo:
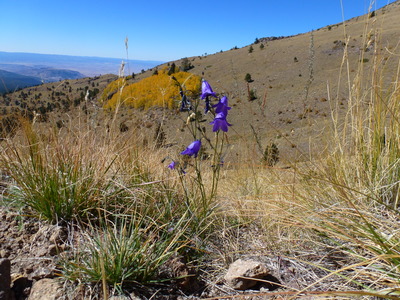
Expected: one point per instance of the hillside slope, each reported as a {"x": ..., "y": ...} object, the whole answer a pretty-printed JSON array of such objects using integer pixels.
[{"x": 297, "y": 81}]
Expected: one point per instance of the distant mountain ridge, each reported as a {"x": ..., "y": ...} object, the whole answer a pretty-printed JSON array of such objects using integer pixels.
[
  {"x": 44, "y": 73},
  {"x": 20, "y": 70},
  {"x": 89, "y": 66},
  {"x": 10, "y": 82}
]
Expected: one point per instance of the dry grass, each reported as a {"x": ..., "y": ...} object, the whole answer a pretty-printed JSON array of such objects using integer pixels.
[{"x": 336, "y": 216}]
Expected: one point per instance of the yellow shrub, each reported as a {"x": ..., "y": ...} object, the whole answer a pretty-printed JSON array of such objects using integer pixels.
[
  {"x": 157, "y": 90},
  {"x": 112, "y": 89}
]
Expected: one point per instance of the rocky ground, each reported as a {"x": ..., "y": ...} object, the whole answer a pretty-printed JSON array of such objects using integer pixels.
[
  {"x": 32, "y": 249},
  {"x": 30, "y": 252}
]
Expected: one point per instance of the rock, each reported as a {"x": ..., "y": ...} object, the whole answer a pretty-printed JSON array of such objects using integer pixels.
[
  {"x": 4, "y": 253},
  {"x": 42, "y": 251},
  {"x": 41, "y": 273},
  {"x": 176, "y": 269},
  {"x": 5, "y": 279},
  {"x": 241, "y": 274},
  {"x": 46, "y": 289}
]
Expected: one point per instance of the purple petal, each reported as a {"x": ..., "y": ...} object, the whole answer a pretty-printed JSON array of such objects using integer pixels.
[
  {"x": 224, "y": 100},
  {"x": 216, "y": 125},
  {"x": 192, "y": 149},
  {"x": 222, "y": 106},
  {"x": 220, "y": 115},
  {"x": 206, "y": 90},
  {"x": 224, "y": 126},
  {"x": 186, "y": 152},
  {"x": 220, "y": 122}
]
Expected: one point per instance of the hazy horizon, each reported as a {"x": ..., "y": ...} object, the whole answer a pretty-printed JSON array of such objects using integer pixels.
[
  {"x": 87, "y": 65},
  {"x": 88, "y": 56}
]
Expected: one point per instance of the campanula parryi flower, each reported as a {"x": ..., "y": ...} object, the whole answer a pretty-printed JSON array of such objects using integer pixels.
[
  {"x": 172, "y": 165},
  {"x": 206, "y": 90},
  {"x": 222, "y": 106},
  {"x": 193, "y": 149},
  {"x": 220, "y": 122}
]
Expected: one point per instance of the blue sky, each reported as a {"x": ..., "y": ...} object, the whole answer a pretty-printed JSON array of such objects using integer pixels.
[{"x": 160, "y": 30}]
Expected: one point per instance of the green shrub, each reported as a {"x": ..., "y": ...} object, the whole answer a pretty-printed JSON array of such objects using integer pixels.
[
  {"x": 252, "y": 95},
  {"x": 248, "y": 78}
]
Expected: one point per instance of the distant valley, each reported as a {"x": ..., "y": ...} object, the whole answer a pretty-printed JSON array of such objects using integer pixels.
[{"x": 20, "y": 70}]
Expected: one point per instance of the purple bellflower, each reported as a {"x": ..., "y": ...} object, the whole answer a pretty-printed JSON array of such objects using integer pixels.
[
  {"x": 193, "y": 149},
  {"x": 220, "y": 122},
  {"x": 222, "y": 106},
  {"x": 206, "y": 90},
  {"x": 172, "y": 165}
]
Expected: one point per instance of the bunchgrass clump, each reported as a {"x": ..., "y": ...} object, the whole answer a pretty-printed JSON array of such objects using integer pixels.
[
  {"x": 55, "y": 180},
  {"x": 124, "y": 251}
]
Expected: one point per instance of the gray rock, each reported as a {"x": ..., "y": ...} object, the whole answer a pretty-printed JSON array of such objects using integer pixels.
[
  {"x": 5, "y": 279},
  {"x": 243, "y": 274},
  {"x": 46, "y": 289},
  {"x": 41, "y": 273},
  {"x": 4, "y": 253}
]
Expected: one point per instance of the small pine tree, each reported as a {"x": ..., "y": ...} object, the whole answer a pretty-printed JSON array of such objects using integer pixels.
[
  {"x": 251, "y": 49},
  {"x": 261, "y": 46},
  {"x": 248, "y": 78},
  {"x": 252, "y": 95},
  {"x": 372, "y": 14},
  {"x": 186, "y": 65},
  {"x": 172, "y": 69},
  {"x": 256, "y": 41}
]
